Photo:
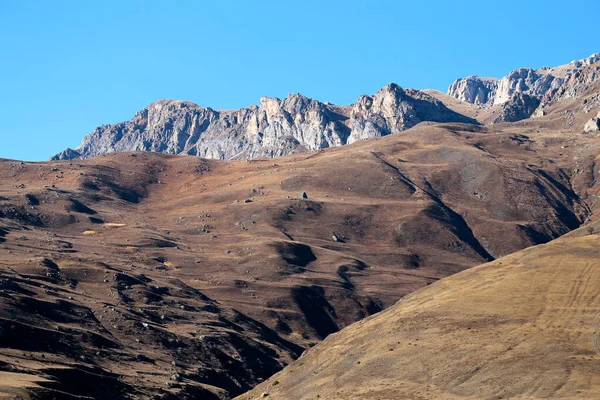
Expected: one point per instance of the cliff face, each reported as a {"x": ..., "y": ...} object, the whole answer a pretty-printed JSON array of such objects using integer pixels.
[
  {"x": 523, "y": 80},
  {"x": 491, "y": 91},
  {"x": 545, "y": 83},
  {"x": 273, "y": 128},
  {"x": 474, "y": 89}
]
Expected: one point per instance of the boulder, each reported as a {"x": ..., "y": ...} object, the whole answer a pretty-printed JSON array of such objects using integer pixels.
[{"x": 592, "y": 125}]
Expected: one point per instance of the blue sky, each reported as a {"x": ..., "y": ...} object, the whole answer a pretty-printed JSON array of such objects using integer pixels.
[{"x": 69, "y": 66}]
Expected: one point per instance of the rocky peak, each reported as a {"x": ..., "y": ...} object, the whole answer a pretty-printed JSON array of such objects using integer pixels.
[
  {"x": 297, "y": 103},
  {"x": 474, "y": 89},
  {"x": 385, "y": 100},
  {"x": 388, "y": 99},
  {"x": 385, "y": 112},
  {"x": 161, "y": 111},
  {"x": 394, "y": 109},
  {"x": 67, "y": 154}
]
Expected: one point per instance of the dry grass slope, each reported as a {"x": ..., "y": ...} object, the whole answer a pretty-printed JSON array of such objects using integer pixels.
[
  {"x": 140, "y": 275},
  {"x": 523, "y": 326}
]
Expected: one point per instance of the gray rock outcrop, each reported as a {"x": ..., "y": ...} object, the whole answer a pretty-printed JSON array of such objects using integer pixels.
[
  {"x": 522, "y": 80},
  {"x": 474, "y": 89},
  {"x": 575, "y": 85},
  {"x": 67, "y": 154},
  {"x": 272, "y": 128},
  {"x": 594, "y": 58},
  {"x": 520, "y": 106}
]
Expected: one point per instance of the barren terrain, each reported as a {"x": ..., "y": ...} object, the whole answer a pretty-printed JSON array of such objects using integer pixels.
[
  {"x": 143, "y": 275},
  {"x": 524, "y": 326}
]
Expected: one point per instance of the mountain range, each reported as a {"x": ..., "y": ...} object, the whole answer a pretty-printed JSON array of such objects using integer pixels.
[
  {"x": 450, "y": 255},
  {"x": 277, "y": 127},
  {"x": 273, "y": 128}
]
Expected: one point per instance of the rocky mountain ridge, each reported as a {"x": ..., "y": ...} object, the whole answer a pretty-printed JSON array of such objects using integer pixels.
[
  {"x": 190, "y": 278},
  {"x": 298, "y": 124},
  {"x": 547, "y": 84},
  {"x": 272, "y": 128},
  {"x": 145, "y": 275}
]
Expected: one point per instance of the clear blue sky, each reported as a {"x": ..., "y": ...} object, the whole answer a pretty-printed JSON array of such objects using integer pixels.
[{"x": 69, "y": 66}]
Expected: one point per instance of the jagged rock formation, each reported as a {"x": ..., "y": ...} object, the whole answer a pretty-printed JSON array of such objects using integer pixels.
[
  {"x": 273, "y": 128},
  {"x": 574, "y": 86},
  {"x": 499, "y": 91},
  {"x": 520, "y": 106},
  {"x": 277, "y": 127},
  {"x": 524, "y": 80},
  {"x": 67, "y": 154},
  {"x": 474, "y": 89},
  {"x": 545, "y": 83},
  {"x": 594, "y": 58}
]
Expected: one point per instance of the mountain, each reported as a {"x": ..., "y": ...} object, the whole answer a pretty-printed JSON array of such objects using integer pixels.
[
  {"x": 523, "y": 326},
  {"x": 175, "y": 276},
  {"x": 542, "y": 83},
  {"x": 273, "y": 128},
  {"x": 149, "y": 275},
  {"x": 298, "y": 124}
]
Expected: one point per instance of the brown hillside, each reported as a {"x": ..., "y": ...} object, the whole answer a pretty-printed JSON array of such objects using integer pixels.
[
  {"x": 523, "y": 326},
  {"x": 144, "y": 275}
]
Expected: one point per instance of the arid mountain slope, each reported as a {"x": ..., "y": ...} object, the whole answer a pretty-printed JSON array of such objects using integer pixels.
[
  {"x": 88, "y": 307},
  {"x": 160, "y": 276},
  {"x": 225, "y": 270},
  {"x": 523, "y": 326},
  {"x": 273, "y": 128}
]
